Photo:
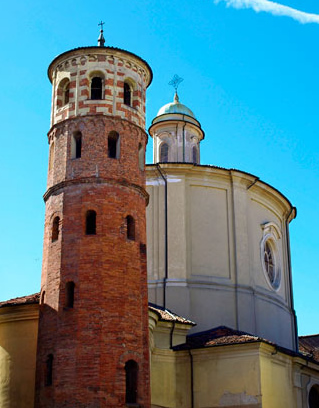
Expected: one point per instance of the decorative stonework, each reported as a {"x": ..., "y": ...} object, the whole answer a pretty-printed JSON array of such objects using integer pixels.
[
  {"x": 270, "y": 256},
  {"x": 114, "y": 67}
]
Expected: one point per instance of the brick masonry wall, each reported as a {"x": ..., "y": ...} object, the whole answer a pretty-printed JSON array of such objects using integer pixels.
[
  {"x": 94, "y": 161},
  {"x": 108, "y": 324}
]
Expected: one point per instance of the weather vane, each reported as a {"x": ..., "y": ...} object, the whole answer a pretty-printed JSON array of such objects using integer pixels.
[{"x": 175, "y": 81}]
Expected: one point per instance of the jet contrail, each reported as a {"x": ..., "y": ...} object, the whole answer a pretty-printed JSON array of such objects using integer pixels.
[{"x": 274, "y": 8}]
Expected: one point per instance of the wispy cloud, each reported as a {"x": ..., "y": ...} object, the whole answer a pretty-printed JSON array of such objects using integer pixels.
[{"x": 274, "y": 8}]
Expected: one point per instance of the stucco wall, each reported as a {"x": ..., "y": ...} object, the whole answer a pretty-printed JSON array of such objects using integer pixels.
[
  {"x": 217, "y": 221},
  {"x": 18, "y": 343},
  {"x": 277, "y": 381},
  {"x": 227, "y": 376}
]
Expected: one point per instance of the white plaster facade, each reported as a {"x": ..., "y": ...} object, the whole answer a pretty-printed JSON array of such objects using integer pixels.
[{"x": 209, "y": 262}]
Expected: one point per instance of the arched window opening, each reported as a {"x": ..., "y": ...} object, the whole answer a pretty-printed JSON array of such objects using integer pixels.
[
  {"x": 113, "y": 145},
  {"x": 55, "y": 229},
  {"x": 131, "y": 371},
  {"x": 164, "y": 153},
  {"x": 49, "y": 370},
  {"x": 69, "y": 294},
  {"x": 314, "y": 397},
  {"x": 42, "y": 297},
  {"x": 141, "y": 157},
  {"x": 66, "y": 93},
  {"x": 90, "y": 226},
  {"x": 76, "y": 145},
  {"x": 130, "y": 228},
  {"x": 195, "y": 155},
  {"x": 63, "y": 95},
  {"x": 96, "y": 88},
  {"x": 127, "y": 94}
]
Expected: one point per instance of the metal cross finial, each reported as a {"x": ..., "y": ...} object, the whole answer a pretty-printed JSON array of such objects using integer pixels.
[
  {"x": 175, "y": 81},
  {"x": 101, "y": 24},
  {"x": 101, "y": 39}
]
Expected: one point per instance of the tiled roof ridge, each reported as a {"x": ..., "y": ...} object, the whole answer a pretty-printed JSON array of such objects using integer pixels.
[
  {"x": 222, "y": 331},
  {"x": 164, "y": 314},
  {"x": 308, "y": 335},
  {"x": 22, "y": 300},
  {"x": 167, "y": 315}
]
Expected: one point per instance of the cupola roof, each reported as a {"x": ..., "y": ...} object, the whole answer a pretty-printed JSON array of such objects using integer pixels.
[{"x": 175, "y": 107}]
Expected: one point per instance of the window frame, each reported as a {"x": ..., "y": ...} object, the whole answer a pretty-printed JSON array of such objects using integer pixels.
[
  {"x": 130, "y": 228},
  {"x": 49, "y": 370},
  {"x": 127, "y": 94},
  {"x": 63, "y": 94},
  {"x": 114, "y": 138},
  {"x": 164, "y": 144},
  {"x": 269, "y": 244},
  {"x": 90, "y": 222},
  {"x": 76, "y": 145},
  {"x": 195, "y": 153},
  {"x": 98, "y": 89},
  {"x": 131, "y": 382},
  {"x": 69, "y": 294},
  {"x": 55, "y": 229}
]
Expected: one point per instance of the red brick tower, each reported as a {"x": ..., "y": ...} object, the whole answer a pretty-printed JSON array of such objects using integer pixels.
[{"x": 93, "y": 330}]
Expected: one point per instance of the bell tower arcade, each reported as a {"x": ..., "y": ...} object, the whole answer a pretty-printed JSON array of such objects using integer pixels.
[{"x": 93, "y": 330}]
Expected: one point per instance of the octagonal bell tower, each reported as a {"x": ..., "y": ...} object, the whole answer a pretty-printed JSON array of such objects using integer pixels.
[{"x": 93, "y": 330}]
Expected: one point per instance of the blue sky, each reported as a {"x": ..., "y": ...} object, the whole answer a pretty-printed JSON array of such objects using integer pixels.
[{"x": 250, "y": 76}]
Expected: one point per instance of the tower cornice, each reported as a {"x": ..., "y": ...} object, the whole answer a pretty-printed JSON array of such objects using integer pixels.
[
  {"x": 111, "y": 51},
  {"x": 69, "y": 121},
  {"x": 57, "y": 188}
]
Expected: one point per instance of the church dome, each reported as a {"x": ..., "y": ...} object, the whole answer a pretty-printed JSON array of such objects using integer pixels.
[{"x": 175, "y": 107}]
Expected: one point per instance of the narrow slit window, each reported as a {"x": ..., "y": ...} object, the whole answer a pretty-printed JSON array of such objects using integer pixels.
[
  {"x": 55, "y": 229},
  {"x": 195, "y": 155},
  {"x": 164, "y": 153},
  {"x": 113, "y": 145},
  {"x": 127, "y": 94},
  {"x": 96, "y": 88},
  {"x": 130, "y": 228},
  {"x": 69, "y": 294},
  {"x": 141, "y": 157},
  {"x": 90, "y": 226},
  {"x": 76, "y": 145},
  {"x": 131, "y": 372},
  {"x": 49, "y": 370}
]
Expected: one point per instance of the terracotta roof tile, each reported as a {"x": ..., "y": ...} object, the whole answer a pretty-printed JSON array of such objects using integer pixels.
[
  {"x": 24, "y": 300},
  {"x": 164, "y": 314},
  {"x": 168, "y": 316},
  {"x": 309, "y": 346},
  {"x": 221, "y": 335}
]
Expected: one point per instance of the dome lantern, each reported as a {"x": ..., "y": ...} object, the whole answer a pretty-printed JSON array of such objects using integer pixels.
[{"x": 176, "y": 134}]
